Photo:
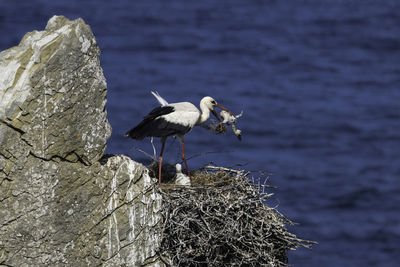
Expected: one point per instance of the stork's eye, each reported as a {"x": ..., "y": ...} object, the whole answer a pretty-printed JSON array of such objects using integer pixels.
[{"x": 213, "y": 102}]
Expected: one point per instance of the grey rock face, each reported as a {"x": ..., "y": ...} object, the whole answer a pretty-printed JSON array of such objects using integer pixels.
[
  {"x": 53, "y": 92},
  {"x": 68, "y": 214},
  {"x": 60, "y": 205}
]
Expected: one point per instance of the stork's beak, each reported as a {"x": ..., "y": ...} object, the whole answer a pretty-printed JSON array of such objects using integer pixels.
[
  {"x": 223, "y": 108},
  {"x": 216, "y": 115}
]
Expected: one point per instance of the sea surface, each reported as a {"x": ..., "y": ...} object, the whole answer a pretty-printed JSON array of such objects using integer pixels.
[{"x": 318, "y": 83}]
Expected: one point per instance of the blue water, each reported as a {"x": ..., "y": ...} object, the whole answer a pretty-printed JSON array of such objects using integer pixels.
[{"x": 318, "y": 82}]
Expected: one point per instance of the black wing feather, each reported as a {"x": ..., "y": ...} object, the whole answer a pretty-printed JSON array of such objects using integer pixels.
[
  {"x": 152, "y": 124},
  {"x": 159, "y": 111}
]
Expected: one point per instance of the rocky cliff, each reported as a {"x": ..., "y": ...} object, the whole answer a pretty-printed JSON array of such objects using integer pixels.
[{"x": 62, "y": 202}]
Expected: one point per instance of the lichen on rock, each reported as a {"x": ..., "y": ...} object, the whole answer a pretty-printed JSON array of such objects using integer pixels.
[
  {"x": 62, "y": 202},
  {"x": 53, "y": 92}
]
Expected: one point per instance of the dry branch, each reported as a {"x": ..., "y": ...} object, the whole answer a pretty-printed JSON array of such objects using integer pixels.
[{"x": 223, "y": 221}]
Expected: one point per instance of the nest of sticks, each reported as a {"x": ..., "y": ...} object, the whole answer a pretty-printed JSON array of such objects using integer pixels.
[{"x": 222, "y": 220}]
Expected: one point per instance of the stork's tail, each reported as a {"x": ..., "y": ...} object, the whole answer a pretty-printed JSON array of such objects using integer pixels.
[{"x": 160, "y": 100}]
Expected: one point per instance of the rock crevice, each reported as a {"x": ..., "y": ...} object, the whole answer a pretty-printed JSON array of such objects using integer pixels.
[
  {"x": 53, "y": 92},
  {"x": 62, "y": 202}
]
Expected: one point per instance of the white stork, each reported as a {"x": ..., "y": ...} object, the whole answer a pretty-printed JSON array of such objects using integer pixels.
[
  {"x": 180, "y": 178},
  {"x": 175, "y": 119}
]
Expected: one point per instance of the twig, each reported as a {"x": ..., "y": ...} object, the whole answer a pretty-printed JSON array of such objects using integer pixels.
[{"x": 225, "y": 225}]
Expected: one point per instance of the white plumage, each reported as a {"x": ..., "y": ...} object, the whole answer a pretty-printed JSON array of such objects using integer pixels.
[
  {"x": 161, "y": 100},
  {"x": 180, "y": 178},
  {"x": 173, "y": 119},
  {"x": 185, "y": 113}
]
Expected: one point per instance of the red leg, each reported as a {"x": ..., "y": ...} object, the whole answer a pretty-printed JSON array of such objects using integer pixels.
[
  {"x": 184, "y": 157},
  {"x": 163, "y": 139}
]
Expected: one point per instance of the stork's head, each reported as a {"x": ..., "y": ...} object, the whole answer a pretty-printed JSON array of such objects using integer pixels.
[
  {"x": 210, "y": 103},
  {"x": 178, "y": 168}
]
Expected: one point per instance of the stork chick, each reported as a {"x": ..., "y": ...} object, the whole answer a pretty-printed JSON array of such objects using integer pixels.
[{"x": 180, "y": 178}]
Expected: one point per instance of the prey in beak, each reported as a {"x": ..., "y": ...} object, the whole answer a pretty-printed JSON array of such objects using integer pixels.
[{"x": 223, "y": 108}]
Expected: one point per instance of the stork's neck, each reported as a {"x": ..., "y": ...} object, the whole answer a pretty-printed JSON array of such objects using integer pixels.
[{"x": 205, "y": 113}]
